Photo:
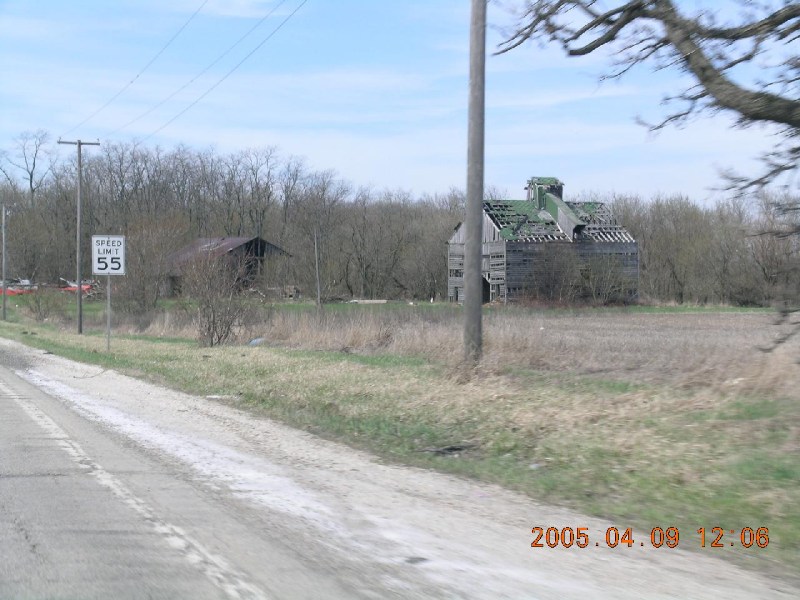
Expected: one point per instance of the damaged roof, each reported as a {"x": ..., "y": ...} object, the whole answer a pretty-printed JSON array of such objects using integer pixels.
[
  {"x": 219, "y": 246},
  {"x": 520, "y": 220},
  {"x": 524, "y": 221},
  {"x": 213, "y": 247}
]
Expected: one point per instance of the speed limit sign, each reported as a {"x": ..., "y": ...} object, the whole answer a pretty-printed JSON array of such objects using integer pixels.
[{"x": 108, "y": 254}]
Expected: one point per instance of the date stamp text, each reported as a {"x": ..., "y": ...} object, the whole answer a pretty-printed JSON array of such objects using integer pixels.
[{"x": 657, "y": 537}]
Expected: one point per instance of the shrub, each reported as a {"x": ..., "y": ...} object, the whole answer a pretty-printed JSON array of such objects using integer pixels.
[
  {"x": 45, "y": 303},
  {"x": 213, "y": 285}
]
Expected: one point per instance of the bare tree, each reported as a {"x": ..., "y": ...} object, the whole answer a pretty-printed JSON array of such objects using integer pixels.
[
  {"x": 209, "y": 177},
  {"x": 259, "y": 170},
  {"x": 769, "y": 251},
  {"x": 435, "y": 219},
  {"x": 380, "y": 240},
  {"x": 291, "y": 181},
  {"x": 603, "y": 279},
  {"x": 30, "y": 150},
  {"x": 776, "y": 249},
  {"x": 714, "y": 50},
  {"x": 317, "y": 215},
  {"x": 149, "y": 246},
  {"x": 212, "y": 283}
]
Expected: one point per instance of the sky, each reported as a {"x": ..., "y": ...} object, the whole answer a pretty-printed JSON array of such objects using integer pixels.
[{"x": 376, "y": 90}]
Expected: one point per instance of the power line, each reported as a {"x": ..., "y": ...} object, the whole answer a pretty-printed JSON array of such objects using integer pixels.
[
  {"x": 147, "y": 66},
  {"x": 201, "y": 73},
  {"x": 229, "y": 73}
]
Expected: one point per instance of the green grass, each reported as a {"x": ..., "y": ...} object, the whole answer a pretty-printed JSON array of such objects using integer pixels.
[
  {"x": 766, "y": 468},
  {"x": 374, "y": 360},
  {"x": 572, "y": 382},
  {"x": 755, "y": 409}
]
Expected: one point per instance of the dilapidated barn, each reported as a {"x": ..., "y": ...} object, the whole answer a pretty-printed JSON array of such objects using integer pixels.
[
  {"x": 545, "y": 247},
  {"x": 251, "y": 253}
]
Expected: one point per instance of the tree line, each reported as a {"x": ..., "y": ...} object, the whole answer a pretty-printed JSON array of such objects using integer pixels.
[
  {"x": 739, "y": 251},
  {"x": 369, "y": 243}
]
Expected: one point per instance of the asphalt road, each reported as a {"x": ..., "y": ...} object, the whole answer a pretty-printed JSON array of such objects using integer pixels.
[{"x": 86, "y": 514}]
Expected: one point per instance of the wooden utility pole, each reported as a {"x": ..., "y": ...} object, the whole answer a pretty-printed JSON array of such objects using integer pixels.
[
  {"x": 5, "y": 289},
  {"x": 316, "y": 270},
  {"x": 473, "y": 278},
  {"x": 78, "y": 277}
]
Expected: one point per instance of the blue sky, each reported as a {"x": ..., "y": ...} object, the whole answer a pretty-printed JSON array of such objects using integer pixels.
[{"x": 374, "y": 89}]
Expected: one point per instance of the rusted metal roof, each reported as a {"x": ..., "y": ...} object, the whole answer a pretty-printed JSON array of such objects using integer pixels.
[
  {"x": 211, "y": 247},
  {"x": 216, "y": 247}
]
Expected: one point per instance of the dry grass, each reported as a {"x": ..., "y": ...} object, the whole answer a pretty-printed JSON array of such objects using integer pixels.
[{"x": 703, "y": 349}]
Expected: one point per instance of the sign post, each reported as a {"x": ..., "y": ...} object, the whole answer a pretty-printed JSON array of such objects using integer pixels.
[{"x": 108, "y": 258}]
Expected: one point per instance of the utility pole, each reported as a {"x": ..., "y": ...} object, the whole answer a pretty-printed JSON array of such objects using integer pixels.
[
  {"x": 4, "y": 262},
  {"x": 473, "y": 278},
  {"x": 78, "y": 277},
  {"x": 316, "y": 269}
]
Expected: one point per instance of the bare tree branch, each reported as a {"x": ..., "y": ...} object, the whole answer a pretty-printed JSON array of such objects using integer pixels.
[{"x": 657, "y": 32}]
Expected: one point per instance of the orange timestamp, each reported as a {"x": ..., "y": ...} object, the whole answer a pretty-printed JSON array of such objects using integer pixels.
[{"x": 666, "y": 537}]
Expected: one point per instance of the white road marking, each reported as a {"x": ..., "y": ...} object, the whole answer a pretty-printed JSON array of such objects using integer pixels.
[
  {"x": 248, "y": 477},
  {"x": 233, "y": 583}
]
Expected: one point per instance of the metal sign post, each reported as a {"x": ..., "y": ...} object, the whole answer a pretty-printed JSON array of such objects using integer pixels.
[
  {"x": 108, "y": 313},
  {"x": 108, "y": 258}
]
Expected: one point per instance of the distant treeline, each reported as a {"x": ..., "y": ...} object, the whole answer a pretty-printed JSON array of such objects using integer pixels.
[
  {"x": 741, "y": 251},
  {"x": 371, "y": 243}
]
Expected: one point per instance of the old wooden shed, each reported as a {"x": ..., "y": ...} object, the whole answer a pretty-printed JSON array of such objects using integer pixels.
[
  {"x": 250, "y": 252},
  {"x": 546, "y": 247}
]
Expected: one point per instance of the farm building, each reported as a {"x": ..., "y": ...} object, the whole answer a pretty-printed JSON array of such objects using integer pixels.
[
  {"x": 251, "y": 252},
  {"x": 544, "y": 247}
]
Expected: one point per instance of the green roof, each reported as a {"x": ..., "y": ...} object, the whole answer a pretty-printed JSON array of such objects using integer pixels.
[
  {"x": 523, "y": 221},
  {"x": 545, "y": 181}
]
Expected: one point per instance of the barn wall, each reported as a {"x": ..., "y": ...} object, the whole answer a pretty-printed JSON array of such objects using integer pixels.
[
  {"x": 493, "y": 269},
  {"x": 531, "y": 266},
  {"x": 518, "y": 269},
  {"x": 455, "y": 272},
  {"x": 490, "y": 232}
]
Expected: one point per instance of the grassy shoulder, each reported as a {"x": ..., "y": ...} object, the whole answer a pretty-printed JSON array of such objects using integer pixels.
[{"x": 641, "y": 454}]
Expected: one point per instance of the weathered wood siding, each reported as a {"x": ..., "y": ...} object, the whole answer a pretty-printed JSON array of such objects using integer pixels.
[
  {"x": 531, "y": 265},
  {"x": 455, "y": 272},
  {"x": 493, "y": 269},
  {"x": 512, "y": 270},
  {"x": 490, "y": 232}
]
